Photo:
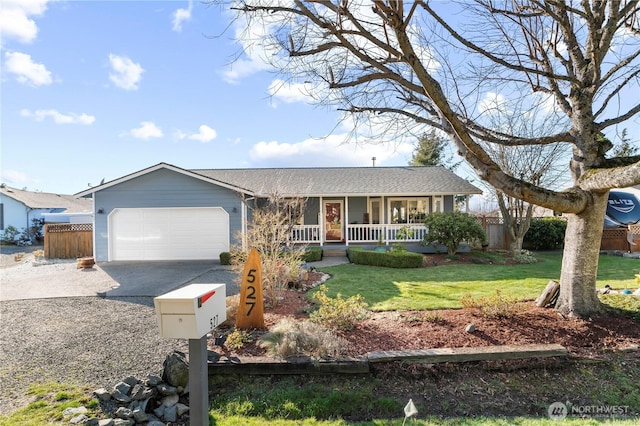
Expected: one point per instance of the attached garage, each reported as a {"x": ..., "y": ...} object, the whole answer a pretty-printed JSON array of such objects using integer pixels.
[{"x": 176, "y": 233}]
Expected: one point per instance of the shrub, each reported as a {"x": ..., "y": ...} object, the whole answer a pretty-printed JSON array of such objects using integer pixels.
[
  {"x": 312, "y": 254},
  {"x": 237, "y": 339},
  {"x": 546, "y": 234},
  {"x": 496, "y": 306},
  {"x": 10, "y": 234},
  {"x": 290, "y": 337},
  {"x": 338, "y": 314},
  {"x": 225, "y": 258},
  {"x": 453, "y": 228},
  {"x": 389, "y": 259},
  {"x": 525, "y": 257}
]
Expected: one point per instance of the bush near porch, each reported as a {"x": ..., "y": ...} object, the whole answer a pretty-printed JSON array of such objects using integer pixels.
[{"x": 389, "y": 259}]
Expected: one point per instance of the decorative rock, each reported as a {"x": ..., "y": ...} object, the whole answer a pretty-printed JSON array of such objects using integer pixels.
[
  {"x": 105, "y": 422},
  {"x": 123, "y": 413},
  {"x": 171, "y": 414},
  {"x": 131, "y": 381},
  {"x": 120, "y": 397},
  {"x": 140, "y": 416},
  {"x": 176, "y": 369},
  {"x": 170, "y": 400},
  {"x": 166, "y": 389},
  {"x": 92, "y": 422},
  {"x": 140, "y": 392},
  {"x": 159, "y": 411},
  {"x": 153, "y": 380},
  {"x": 102, "y": 394},
  {"x": 470, "y": 328},
  {"x": 74, "y": 410},
  {"x": 123, "y": 422},
  {"x": 123, "y": 387},
  {"x": 155, "y": 422},
  {"x": 79, "y": 419},
  {"x": 181, "y": 408}
]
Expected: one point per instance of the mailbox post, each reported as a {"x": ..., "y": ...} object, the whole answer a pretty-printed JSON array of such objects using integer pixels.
[{"x": 190, "y": 313}]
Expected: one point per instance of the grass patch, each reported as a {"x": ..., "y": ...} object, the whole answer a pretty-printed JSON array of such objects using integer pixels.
[
  {"x": 623, "y": 303},
  {"x": 464, "y": 394},
  {"x": 301, "y": 398},
  {"x": 442, "y": 287},
  {"x": 50, "y": 400}
]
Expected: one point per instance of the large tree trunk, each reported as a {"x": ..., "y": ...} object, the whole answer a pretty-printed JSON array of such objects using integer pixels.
[{"x": 578, "y": 296}]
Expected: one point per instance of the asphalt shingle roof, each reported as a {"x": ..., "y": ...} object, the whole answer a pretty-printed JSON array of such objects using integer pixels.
[
  {"x": 47, "y": 200},
  {"x": 344, "y": 181}
]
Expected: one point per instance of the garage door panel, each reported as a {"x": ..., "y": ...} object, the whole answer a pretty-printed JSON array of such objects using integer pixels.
[{"x": 168, "y": 233}]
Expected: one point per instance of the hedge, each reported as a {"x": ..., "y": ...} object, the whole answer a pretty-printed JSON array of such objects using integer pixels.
[
  {"x": 225, "y": 258},
  {"x": 388, "y": 259},
  {"x": 312, "y": 254},
  {"x": 546, "y": 234}
]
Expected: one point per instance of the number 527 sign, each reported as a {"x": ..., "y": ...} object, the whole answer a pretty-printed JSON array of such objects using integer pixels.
[{"x": 251, "y": 309}]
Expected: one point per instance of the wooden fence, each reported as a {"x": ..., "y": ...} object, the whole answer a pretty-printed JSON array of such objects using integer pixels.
[{"x": 68, "y": 240}]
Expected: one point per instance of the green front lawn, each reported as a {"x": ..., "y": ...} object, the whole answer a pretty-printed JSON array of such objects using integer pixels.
[{"x": 442, "y": 287}]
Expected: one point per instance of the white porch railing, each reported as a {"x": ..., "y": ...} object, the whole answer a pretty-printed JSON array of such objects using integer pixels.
[
  {"x": 360, "y": 233},
  {"x": 305, "y": 234}
]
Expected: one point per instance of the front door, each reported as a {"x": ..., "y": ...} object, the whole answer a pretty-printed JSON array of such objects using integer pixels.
[{"x": 333, "y": 214}]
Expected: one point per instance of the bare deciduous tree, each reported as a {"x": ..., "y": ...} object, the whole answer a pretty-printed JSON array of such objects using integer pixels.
[
  {"x": 430, "y": 63},
  {"x": 269, "y": 231}
]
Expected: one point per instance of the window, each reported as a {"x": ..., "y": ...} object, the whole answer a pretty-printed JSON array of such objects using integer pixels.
[
  {"x": 375, "y": 211},
  {"x": 438, "y": 205},
  {"x": 408, "y": 210},
  {"x": 1, "y": 217}
]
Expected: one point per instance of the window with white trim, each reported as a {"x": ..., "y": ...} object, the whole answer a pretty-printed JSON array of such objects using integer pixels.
[{"x": 408, "y": 210}]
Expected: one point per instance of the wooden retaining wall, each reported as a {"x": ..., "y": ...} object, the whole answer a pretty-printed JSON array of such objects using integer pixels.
[{"x": 68, "y": 240}]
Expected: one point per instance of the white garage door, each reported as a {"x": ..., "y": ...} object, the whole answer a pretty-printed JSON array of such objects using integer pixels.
[{"x": 168, "y": 233}]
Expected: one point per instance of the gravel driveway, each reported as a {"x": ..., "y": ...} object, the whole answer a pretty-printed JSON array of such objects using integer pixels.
[{"x": 89, "y": 341}]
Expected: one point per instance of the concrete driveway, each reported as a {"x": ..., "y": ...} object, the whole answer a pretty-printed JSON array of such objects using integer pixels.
[{"x": 29, "y": 279}]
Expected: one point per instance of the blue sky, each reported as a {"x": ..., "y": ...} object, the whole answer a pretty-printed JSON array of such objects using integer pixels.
[
  {"x": 100, "y": 89},
  {"x": 94, "y": 90}
]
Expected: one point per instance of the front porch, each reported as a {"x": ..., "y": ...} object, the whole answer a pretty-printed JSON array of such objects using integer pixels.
[{"x": 380, "y": 234}]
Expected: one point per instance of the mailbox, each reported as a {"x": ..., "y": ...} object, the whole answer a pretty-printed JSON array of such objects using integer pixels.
[{"x": 192, "y": 311}]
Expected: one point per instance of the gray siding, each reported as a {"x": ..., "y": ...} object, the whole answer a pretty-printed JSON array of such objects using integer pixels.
[
  {"x": 448, "y": 203},
  {"x": 357, "y": 209},
  {"x": 311, "y": 211},
  {"x": 161, "y": 188}
]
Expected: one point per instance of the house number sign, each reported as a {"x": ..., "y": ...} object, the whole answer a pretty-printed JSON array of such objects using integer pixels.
[{"x": 251, "y": 309}]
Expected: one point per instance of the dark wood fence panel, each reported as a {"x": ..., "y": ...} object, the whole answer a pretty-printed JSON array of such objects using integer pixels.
[{"x": 68, "y": 240}]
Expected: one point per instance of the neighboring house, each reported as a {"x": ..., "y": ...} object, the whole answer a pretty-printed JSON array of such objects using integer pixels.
[
  {"x": 166, "y": 212},
  {"x": 18, "y": 207}
]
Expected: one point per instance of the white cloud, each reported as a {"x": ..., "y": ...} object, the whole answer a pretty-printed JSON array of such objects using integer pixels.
[
  {"x": 58, "y": 117},
  {"x": 14, "y": 177},
  {"x": 291, "y": 92},
  {"x": 180, "y": 16},
  {"x": 147, "y": 130},
  {"x": 26, "y": 70},
  {"x": 327, "y": 152},
  {"x": 125, "y": 74},
  {"x": 15, "y": 19},
  {"x": 254, "y": 49},
  {"x": 493, "y": 103},
  {"x": 205, "y": 134}
]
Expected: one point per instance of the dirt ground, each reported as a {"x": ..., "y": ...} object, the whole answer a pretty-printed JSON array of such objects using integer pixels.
[{"x": 446, "y": 329}]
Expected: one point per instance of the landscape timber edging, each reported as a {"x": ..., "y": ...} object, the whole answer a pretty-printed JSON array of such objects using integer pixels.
[{"x": 307, "y": 365}]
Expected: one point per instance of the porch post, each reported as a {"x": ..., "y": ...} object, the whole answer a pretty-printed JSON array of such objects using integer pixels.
[
  {"x": 346, "y": 221},
  {"x": 321, "y": 221}
]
